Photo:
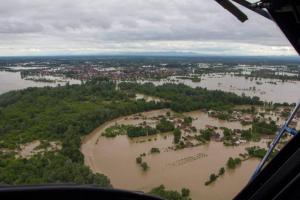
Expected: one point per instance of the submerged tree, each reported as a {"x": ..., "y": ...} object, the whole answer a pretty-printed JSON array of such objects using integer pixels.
[{"x": 177, "y": 135}]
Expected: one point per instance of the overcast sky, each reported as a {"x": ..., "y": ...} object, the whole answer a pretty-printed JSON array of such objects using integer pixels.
[{"x": 41, "y": 27}]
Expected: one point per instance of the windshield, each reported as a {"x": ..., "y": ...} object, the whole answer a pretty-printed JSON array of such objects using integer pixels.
[{"x": 173, "y": 98}]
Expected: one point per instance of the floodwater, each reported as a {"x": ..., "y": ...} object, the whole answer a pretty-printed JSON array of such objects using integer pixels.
[
  {"x": 266, "y": 89},
  {"x": 189, "y": 168},
  {"x": 147, "y": 98},
  {"x": 13, "y": 81}
]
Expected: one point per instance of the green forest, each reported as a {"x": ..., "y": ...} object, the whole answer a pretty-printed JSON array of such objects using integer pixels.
[
  {"x": 182, "y": 98},
  {"x": 62, "y": 114}
]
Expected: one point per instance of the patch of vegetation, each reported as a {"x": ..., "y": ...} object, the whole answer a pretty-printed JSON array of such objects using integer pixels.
[
  {"x": 246, "y": 134},
  {"x": 144, "y": 166},
  {"x": 154, "y": 150},
  {"x": 180, "y": 145},
  {"x": 196, "y": 79},
  {"x": 182, "y": 98},
  {"x": 228, "y": 137},
  {"x": 47, "y": 168},
  {"x": 139, "y": 131},
  {"x": 170, "y": 194},
  {"x": 223, "y": 115},
  {"x": 258, "y": 129},
  {"x": 143, "y": 155},
  {"x": 270, "y": 74},
  {"x": 187, "y": 120},
  {"x": 256, "y": 152},
  {"x": 185, "y": 192},
  {"x": 139, "y": 160},
  {"x": 115, "y": 130},
  {"x": 205, "y": 135},
  {"x": 232, "y": 163},
  {"x": 221, "y": 171},
  {"x": 264, "y": 127},
  {"x": 214, "y": 177},
  {"x": 228, "y": 134},
  {"x": 249, "y": 135},
  {"x": 165, "y": 125},
  {"x": 177, "y": 135},
  {"x": 129, "y": 130}
]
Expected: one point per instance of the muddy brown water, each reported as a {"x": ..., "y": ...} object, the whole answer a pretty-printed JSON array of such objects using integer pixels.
[{"x": 190, "y": 167}]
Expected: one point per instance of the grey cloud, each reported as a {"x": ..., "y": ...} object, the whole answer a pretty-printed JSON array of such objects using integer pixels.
[
  {"x": 18, "y": 26},
  {"x": 46, "y": 24}
]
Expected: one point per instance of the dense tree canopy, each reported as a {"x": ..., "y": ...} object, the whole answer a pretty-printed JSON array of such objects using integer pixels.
[
  {"x": 48, "y": 113},
  {"x": 49, "y": 168},
  {"x": 62, "y": 114},
  {"x": 183, "y": 98}
]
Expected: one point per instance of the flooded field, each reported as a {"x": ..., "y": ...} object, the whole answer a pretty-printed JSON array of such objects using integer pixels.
[
  {"x": 266, "y": 89},
  {"x": 13, "y": 81},
  {"x": 189, "y": 167}
]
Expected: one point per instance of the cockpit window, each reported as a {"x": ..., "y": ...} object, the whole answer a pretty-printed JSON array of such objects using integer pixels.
[{"x": 177, "y": 99}]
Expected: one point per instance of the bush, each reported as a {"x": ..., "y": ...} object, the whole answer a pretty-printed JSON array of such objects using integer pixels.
[
  {"x": 140, "y": 131},
  {"x": 206, "y": 134},
  {"x": 139, "y": 160},
  {"x": 212, "y": 178},
  {"x": 154, "y": 150},
  {"x": 145, "y": 166},
  {"x": 185, "y": 192},
  {"x": 188, "y": 120},
  {"x": 177, "y": 135},
  {"x": 233, "y": 163},
  {"x": 165, "y": 126},
  {"x": 170, "y": 194},
  {"x": 256, "y": 152},
  {"x": 265, "y": 128},
  {"x": 221, "y": 171}
]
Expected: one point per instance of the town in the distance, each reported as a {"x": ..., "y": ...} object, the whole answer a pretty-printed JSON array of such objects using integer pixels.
[{"x": 181, "y": 127}]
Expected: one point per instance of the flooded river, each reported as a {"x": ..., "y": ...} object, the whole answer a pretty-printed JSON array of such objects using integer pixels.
[{"x": 189, "y": 167}]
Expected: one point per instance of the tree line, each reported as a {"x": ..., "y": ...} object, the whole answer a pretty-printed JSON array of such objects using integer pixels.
[{"x": 182, "y": 98}]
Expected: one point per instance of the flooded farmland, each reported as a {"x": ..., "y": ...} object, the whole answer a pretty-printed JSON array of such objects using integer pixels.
[
  {"x": 266, "y": 89},
  {"x": 189, "y": 167},
  {"x": 13, "y": 81}
]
